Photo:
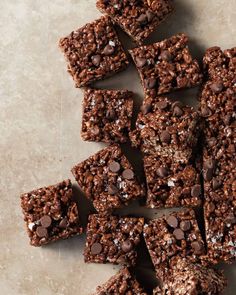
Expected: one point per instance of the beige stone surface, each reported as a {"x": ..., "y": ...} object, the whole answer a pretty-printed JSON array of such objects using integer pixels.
[{"x": 40, "y": 118}]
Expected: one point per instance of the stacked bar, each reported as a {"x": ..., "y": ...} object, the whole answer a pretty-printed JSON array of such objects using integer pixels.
[
  {"x": 218, "y": 107},
  {"x": 167, "y": 134}
]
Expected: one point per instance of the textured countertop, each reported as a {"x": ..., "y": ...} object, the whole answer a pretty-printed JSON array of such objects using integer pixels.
[{"x": 40, "y": 118}]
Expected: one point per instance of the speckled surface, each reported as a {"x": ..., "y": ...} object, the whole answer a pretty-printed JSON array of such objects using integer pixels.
[{"x": 40, "y": 122}]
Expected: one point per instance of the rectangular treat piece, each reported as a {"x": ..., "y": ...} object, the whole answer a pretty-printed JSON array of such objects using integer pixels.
[
  {"x": 187, "y": 278},
  {"x": 171, "y": 184},
  {"x": 137, "y": 18},
  {"x": 166, "y": 129},
  {"x": 51, "y": 214},
  {"x": 113, "y": 239},
  {"x": 93, "y": 52},
  {"x": 219, "y": 64},
  {"x": 108, "y": 180},
  {"x": 166, "y": 66},
  {"x": 220, "y": 224},
  {"x": 175, "y": 235},
  {"x": 121, "y": 283},
  {"x": 107, "y": 115}
]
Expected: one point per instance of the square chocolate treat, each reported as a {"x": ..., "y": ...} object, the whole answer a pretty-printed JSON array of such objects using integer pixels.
[
  {"x": 187, "y": 278},
  {"x": 137, "y": 18},
  {"x": 220, "y": 224},
  {"x": 51, "y": 214},
  {"x": 175, "y": 235},
  {"x": 167, "y": 129},
  {"x": 121, "y": 283},
  {"x": 113, "y": 239},
  {"x": 93, "y": 52},
  {"x": 108, "y": 179},
  {"x": 171, "y": 184},
  {"x": 107, "y": 115},
  {"x": 166, "y": 66}
]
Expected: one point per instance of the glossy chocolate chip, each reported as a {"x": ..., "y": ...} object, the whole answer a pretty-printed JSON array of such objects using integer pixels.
[
  {"x": 208, "y": 174},
  {"x": 128, "y": 174},
  {"x": 165, "y": 137},
  {"x": 142, "y": 19},
  {"x": 46, "y": 221},
  {"x": 216, "y": 184},
  {"x": 63, "y": 223},
  {"x": 149, "y": 15},
  {"x": 196, "y": 190},
  {"x": 185, "y": 225},
  {"x": 217, "y": 87},
  {"x": 206, "y": 112},
  {"x": 197, "y": 247},
  {"x": 179, "y": 234},
  {"x": 112, "y": 189},
  {"x": 150, "y": 83},
  {"x": 161, "y": 105},
  {"x": 140, "y": 62},
  {"x": 96, "y": 249},
  {"x": 162, "y": 171},
  {"x": 166, "y": 55},
  {"x": 172, "y": 221},
  {"x": 108, "y": 50},
  {"x": 127, "y": 246},
  {"x": 177, "y": 111},
  {"x": 114, "y": 167},
  {"x": 146, "y": 108},
  {"x": 41, "y": 232},
  {"x": 96, "y": 59},
  {"x": 211, "y": 207}
]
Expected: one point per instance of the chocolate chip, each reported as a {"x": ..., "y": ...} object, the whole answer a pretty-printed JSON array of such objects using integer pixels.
[
  {"x": 196, "y": 190},
  {"x": 63, "y": 223},
  {"x": 149, "y": 15},
  {"x": 177, "y": 111},
  {"x": 185, "y": 225},
  {"x": 142, "y": 19},
  {"x": 206, "y": 112},
  {"x": 179, "y": 234},
  {"x": 127, "y": 246},
  {"x": 110, "y": 114},
  {"x": 96, "y": 59},
  {"x": 208, "y": 174},
  {"x": 216, "y": 184},
  {"x": 172, "y": 221},
  {"x": 150, "y": 83},
  {"x": 112, "y": 189},
  {"x": 146, "y": 108},
  {"x": 114, "y": 166},
  {"x": 211, "y": 207},
  {"x": 165, "y": 137},
  {"x": 162, "y": 171},
  {"x": 128, "y": 174},
  {"x": 162, "y": 105},
  {"x": 140, "y": 62},
  {"x": 217, "y": 87},
  {"x": 230, "y": 219},
  {"x": 166, "y": 55},
  {"x": 46, "y": 221},
  {"x": 96, "y": 249},
  {"x": 108, "y": 50},
  {"x": 197, "y": 247},
  {"x": 41, "y": 232},
  {"x": 99, "y": 98}
]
